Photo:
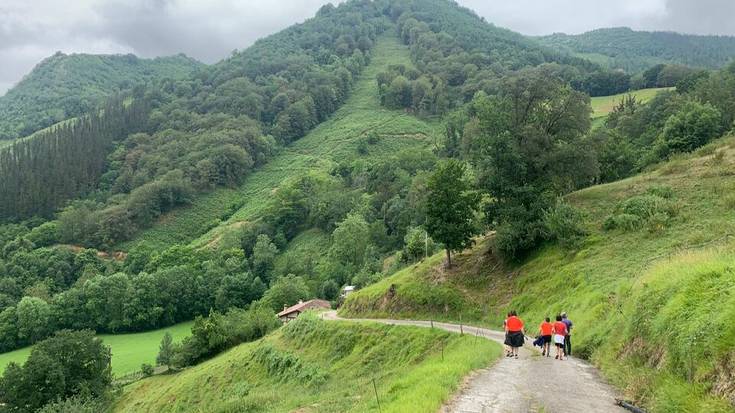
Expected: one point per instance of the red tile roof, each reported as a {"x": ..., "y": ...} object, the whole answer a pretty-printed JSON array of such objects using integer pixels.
[{"x": 301, "y": 307}]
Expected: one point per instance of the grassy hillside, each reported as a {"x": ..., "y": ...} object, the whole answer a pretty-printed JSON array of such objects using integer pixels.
[
  {"x": 64, "y": 86},
  {"x": 321, "y": 366},
  {"x": 652, "y": 305},
  {"x": 634, "y": 51},
  {"x": 333, "y": 140},
  {"x": 129, "y": 351}
]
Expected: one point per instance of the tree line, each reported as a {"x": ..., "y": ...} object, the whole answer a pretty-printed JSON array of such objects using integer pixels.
[{"x": 38, "y": 174}]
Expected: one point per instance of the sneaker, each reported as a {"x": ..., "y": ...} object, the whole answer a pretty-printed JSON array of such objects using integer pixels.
[
  {"x": 543, "y": 352},
  {"x": 516, "y": 355},
  {"x": 556, "y": 357}
]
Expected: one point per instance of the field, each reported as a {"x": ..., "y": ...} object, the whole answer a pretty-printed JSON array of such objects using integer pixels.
[
  {"x": 334, "y": 140},
  {"x": 129, "y": 351},
  {"x": 603, "y": 105},
  {"x": 653, "y": 306},
  {"x": 321, "y": 366}
]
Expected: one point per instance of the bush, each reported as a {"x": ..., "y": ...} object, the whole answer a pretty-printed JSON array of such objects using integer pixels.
[
  {"x": 663, "y": 191},
  {"x": 648, "y": 209},
  {"x": 625, "y": 222},
  {"x": 565, "y": 224},
  {"x": 75, "y": 404},
  {"x": 146, "y": 369},
  {"x": 692, "y": 127}
]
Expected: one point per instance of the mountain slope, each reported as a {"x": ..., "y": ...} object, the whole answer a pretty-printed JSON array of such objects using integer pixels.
[
  {"x": 64, "y": 86},
  {"x": 634, "y": 51},
  {"x": 641, "y": 298},
  {"x": 333, "y": 141}
]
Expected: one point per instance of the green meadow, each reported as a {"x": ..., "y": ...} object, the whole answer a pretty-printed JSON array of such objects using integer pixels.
[
  {"x": 603, "y": 105},
  {"x": 129, "y": 351}
]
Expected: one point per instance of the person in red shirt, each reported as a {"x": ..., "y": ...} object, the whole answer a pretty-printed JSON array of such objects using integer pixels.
[
  {"x": 559, "y": 330},
  {"x": 545, "y": 331},
  {"x": 508, "y": 348},
  {"x": 515, "y": 332}
]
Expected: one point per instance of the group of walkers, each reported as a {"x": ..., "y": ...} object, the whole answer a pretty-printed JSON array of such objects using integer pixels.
[{"x": 559, "y": 332}]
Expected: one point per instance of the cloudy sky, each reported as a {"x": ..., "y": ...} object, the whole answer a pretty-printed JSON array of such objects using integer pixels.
[{"x": 210, "y": 29}]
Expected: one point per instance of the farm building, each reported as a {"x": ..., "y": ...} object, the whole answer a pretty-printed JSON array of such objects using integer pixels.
[{"x": 290, "y": 313}]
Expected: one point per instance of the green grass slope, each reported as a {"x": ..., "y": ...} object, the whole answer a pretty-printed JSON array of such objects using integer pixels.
[
  {"x": 129, "y": 351},
  {"x": 313, "y": 365},
  {"x": 333, "y": 140},
  {"x": 653, "y": 307}
]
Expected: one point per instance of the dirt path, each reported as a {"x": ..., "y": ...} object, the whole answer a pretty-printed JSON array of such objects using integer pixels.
[{"x": 530, "y": 383}]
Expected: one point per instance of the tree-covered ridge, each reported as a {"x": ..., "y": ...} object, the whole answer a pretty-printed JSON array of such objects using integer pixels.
[
  {"x": 634, "y": 51},
  {"x": 64, "y": 86},
  {"x": 456, "y": 54}
]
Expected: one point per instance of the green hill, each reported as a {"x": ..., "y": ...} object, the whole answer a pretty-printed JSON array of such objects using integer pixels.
[
  {"x": 651, "y": 303},
  {"x": 64, "y": 86},
  {"x": 321, "y": 366},
  {"x": 635, "y": 51}
]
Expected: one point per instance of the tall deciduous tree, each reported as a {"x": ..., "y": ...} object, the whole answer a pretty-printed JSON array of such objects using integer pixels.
[{"x": 451, "y": 207}]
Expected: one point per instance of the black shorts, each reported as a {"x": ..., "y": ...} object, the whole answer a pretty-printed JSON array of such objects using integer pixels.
[
  {"x": 546, "y": 339},
  {"x": 516, "y": 339}
]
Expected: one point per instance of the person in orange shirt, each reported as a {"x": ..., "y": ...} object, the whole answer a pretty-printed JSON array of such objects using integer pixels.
[
  {"x": 545, "y": 331},
  {"x": 515, "y": 332},
  {"x": 560, "y": 330},
  {"x": 508, "y": 348}
]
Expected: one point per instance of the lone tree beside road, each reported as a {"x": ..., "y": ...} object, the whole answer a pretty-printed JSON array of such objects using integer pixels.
[{"x": 451, "y": 207}]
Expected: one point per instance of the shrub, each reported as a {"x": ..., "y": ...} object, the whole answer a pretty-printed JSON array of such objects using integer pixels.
[
  {"x": 648, "y": 209},
  {"x": 146, "y": 369},
  {"x": 565, "y": 224},
  {"x": 625, "y": 222},
  {"x": 76, "y": 404},
  {"x": 663, "y": 191},
  {"x": 692, "y": 127}
]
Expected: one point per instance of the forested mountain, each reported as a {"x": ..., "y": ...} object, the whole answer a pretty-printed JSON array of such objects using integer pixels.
[
  {"x": 63, "y": 86},
  {"x": 635, "y": 51}
]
